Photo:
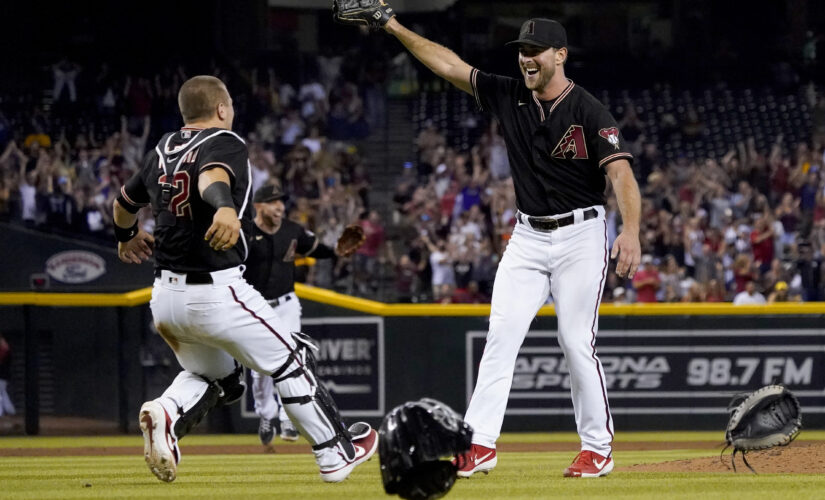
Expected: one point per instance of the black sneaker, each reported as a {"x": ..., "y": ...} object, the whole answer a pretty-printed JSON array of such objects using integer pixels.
[
  {"x": 266, "y": 431},
  {"x": 288, "y": 431}
]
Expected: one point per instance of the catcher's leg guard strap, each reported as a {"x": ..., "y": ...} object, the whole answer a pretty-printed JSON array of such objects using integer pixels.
[{"x": 232, "y": 386}]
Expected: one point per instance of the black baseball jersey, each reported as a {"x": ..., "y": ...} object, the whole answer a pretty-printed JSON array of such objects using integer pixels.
[
  {"x": 271, "y": 264},
  {"x": 557, "y": 149},
  {"x": 183, "y": 155}
]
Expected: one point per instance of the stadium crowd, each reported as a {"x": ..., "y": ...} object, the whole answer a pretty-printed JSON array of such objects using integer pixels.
[
  {"x": 747, "y": 227},
  {"x": 65, "y": 150}
]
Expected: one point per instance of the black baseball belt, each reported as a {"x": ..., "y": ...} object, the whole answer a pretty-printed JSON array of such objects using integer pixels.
[
  {"x": 280, "y": 300},
  {"x": 193, "y": 278},
  {"x": 549, "y": 224}
]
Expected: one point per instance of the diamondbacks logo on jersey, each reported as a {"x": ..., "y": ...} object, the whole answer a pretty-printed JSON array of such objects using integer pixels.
[
  {"x": 572, "y": 146},
  {"x": 612, "y": 136},
  {"x": 289, "y": 256}
]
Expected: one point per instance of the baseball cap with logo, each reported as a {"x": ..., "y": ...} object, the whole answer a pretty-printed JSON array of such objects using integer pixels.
[
  {"x": 542, "y": 32},
  {"x": 268, "y": 193}
]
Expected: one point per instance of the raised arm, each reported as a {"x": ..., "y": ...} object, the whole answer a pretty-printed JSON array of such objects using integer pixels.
[{"x": 441, "y": 60}]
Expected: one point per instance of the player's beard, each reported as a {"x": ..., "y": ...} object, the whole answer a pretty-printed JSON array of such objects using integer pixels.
[{"x": 539, "y": 81}]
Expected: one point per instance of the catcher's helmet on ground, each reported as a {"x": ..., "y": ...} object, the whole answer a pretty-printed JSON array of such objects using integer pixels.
[{"x": 417, "y": 440}]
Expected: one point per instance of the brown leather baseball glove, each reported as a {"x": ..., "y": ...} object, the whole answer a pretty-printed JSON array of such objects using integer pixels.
[{"x": 351, "y": 240}]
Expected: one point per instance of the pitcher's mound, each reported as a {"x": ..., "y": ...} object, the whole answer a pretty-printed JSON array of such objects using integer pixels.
[{"x": 796, "y": 458}]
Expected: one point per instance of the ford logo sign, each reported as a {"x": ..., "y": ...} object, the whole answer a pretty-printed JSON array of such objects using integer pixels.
[{"x": 75, "y": 266}]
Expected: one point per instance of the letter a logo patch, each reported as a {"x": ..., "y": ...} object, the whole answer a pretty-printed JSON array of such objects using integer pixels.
[{"x": 572, "y": 146}]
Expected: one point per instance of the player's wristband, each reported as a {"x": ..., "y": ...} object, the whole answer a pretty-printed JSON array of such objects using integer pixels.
[
  {"x": 124, "y": 234},
  {"x": 218, "y": 195}
]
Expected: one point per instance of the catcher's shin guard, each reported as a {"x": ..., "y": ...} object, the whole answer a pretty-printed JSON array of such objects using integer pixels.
[
  {"x": 193, "y": 396},
  {"x": 308, "y": 403},
  {"x": 190, "y": 416}
]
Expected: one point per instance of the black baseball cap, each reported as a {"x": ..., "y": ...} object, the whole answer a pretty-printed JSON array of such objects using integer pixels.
[
  {"x": 542, "y": 32},
  {"x": 268, "y": 193}
]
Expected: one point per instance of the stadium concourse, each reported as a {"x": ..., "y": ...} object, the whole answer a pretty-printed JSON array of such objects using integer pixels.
[{"x": 734, "y": 193}]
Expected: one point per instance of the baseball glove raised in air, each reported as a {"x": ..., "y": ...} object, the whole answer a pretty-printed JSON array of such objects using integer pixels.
[
  {"x": 768, "y": 417},
  {"x": 351, "y": 240},
  {"x": 371, "y": 13}
]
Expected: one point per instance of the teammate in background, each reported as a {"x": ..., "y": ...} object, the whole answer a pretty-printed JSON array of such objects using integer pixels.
[
  {"x": 561, "y": 144},
  {"x": 271, "y": 270},
  {"x": 197, "y": 181}
]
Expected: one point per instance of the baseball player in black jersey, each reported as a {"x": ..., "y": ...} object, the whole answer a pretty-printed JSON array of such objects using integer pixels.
[
  {"x": 274, "y": 243},
  {"x": 197, "y": 181},
  {"x": 561, "y": 143}
]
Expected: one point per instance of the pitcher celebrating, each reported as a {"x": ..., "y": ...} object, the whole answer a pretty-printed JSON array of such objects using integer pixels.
[{"x": 561, "y": 143}]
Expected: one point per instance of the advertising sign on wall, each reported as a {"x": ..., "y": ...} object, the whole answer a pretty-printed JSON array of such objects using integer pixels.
[
  {"x": 75, "y": 266},
  {"x": 350, "y": 364},
  {"x": 667, "y": 371}
]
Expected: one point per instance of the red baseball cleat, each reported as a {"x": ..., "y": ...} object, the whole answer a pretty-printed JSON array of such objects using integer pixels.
[
  {"x": 589, "y": 464},
  {"x": 478, "y": 459},
  {"x": 365, "y": 442}
]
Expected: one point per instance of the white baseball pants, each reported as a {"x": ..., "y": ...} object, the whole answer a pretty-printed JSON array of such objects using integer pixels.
[
  {"x": 209, "y": 325},
  {"x": 570, "y": 263}
]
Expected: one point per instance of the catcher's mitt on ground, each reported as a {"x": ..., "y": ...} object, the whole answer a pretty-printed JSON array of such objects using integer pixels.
[
  {"x": 372, "y": 13},
  {"x": 768, "y": 417},
  {"x": 351, "y": 240}
]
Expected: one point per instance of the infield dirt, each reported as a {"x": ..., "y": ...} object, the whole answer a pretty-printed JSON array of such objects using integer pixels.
[{"x": 797, "y": 458}]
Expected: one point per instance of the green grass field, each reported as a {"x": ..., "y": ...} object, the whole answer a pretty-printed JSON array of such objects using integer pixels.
[{"x": 527, "y": 475}]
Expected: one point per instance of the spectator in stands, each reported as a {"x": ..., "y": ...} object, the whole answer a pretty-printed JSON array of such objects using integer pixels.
[
  {"x": 807, "y": 200},
  {"x": 366, "y": 259},
  {"x": 619, "y": 296},
  {"x": 495, "y": 152},
  {"x": 749, "y": 295},
  {"x": 646, "y": 281},
  {"x": 6, "y": 405},
  {"x": 762, "y": 243},
  {"x": 715, "y": 291},
  {"x": 670, "y": 274},
  {"x": 693, "y": 291},
  {"x": 779, "y": 293},
  {"x": 65, "y": 74},
  {"x": 431, "y": 144},
  {"x": 810, "y": 272},
  {"x": 407, "y": 281},
  {"x": 441, "y": 263},
  {"x": 468, "y": 294},
  {"x": 788, "y": 214}
]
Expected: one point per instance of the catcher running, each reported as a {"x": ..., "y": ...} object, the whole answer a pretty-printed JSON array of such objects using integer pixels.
[
  {"x": 197, "y": 181},
  {"x": 562, "y": 144},
  {"x": 274, "y": 244}
]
